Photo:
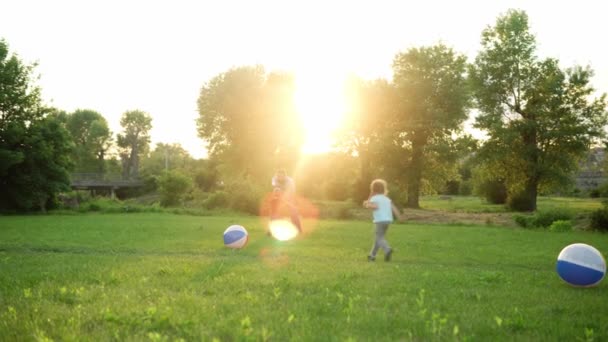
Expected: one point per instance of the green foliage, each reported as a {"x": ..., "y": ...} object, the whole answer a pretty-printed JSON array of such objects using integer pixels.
[
  {"x": 561, "y": 226},
  {"x": 249, "y": 120},
  {"x": 244, "y": 195},
  {"x": 332, "y": 210},
  {"x": 465, "y": 188},
  {"x": 540, "y": 119},
  {"x": 524, "y": 221},
  {"x": 494, "y": 191},
  {"x": 545, "y": 219},
  {"x": 173, "y": 186},
  {"x": 433, "y": 103},
  {"x": 217, "y": 199},
  {"x": 521, "y": 201},
  {"x": 92, "y": 137},
  {"x": 167, "y": 157},
  {"x": 599, "y": 219},
  {"x": 330, "y": 176},
  {"x": 134, "y": 141},
  {"x": 34, "y": 145},
  {"x": 206, "y": 176}
]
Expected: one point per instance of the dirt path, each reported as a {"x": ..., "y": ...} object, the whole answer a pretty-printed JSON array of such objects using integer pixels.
[{"x": 445, "y": 217}]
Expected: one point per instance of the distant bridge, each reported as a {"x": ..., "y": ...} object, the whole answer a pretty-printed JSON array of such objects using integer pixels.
[{"x": 102, "y": 181}]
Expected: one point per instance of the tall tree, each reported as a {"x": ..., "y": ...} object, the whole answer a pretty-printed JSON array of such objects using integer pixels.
[
  {"x": 249, "y": 121},
  {"x": 368, "y": 131},
  {"x": 166, "y": 157},
  {"x": 92, "y": 137},
  {"x": 432, "y": 105},
  {"x": 34, "y": 145},
  {"x": 134, "y": 141},
  {"x": 539, "y": 118}
]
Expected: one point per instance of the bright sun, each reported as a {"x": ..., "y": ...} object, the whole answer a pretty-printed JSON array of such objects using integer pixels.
[{"x": 321, "y": 103}]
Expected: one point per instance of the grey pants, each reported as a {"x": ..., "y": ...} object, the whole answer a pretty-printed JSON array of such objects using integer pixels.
[{"x": 381, "y": 228}]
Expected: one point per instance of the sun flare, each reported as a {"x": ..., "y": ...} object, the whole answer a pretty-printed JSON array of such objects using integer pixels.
[
  {"x": 321, "y": 103},
  {"x": 283, "y": 230}
]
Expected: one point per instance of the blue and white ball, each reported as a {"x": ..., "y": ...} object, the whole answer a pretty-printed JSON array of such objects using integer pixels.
[
  {"x": 235, "y": 237},
  {"x": 581, "y": 265}
]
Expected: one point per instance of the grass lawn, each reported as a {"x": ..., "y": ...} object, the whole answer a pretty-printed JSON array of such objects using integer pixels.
[{"x": 163, "y": 277}]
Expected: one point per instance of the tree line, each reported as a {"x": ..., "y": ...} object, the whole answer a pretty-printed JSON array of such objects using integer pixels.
[{"x": 539, "y": 118}]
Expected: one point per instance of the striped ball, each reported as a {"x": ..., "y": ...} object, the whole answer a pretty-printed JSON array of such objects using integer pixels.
[
  {"x": 235, "y": 237},
  {"x": 581, "y": 265}
]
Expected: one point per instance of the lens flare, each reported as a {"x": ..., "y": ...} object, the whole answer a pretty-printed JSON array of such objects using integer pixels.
[{"x": 283, "y": 230}]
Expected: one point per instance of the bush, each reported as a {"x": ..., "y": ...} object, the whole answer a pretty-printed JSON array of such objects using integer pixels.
[
  {"x": 544, "y": 219},
  {"x": 336, "y": 210},
  {"x": 244, "y": 195},
  {"x": 494, "y": 192},
  {"x": 172, "y": 187},
  {"x": 524, "y": 221},
  {"x": 452, "y": 188},
  {"x": 520, "y": 202},
  {"x": 561, "y": 226},
  {"x": 599, "y": 219},
  {"x": 466, "y": 188},
  {"x": 218, "y": 199}
]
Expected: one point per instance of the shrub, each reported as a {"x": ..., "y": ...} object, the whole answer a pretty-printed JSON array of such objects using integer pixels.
[
  {"x": 524, "y": 221},
  {"x": 452, "y": 188},
  {"x": 466, "y": 188},
  {"x": 544, "y": 219},
  {"x": 172, "y": 187},
  {"x": 595, "y": 193},
  {"x": 599, "y": 219},
  {"x": 336, "y": 210},
  {"x": 244, "y": 195},
  {"x": 494, "y": 192},
  {"x": 218, "y": 199},
  {"x": 520, "y": 202},
  {"x": 561, "y": 226}
]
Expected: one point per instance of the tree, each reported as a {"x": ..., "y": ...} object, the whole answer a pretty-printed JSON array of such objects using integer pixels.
[
  {"x": 167, "y": 157},
  {"x": 368, "y": 131},
  {"x": 34, "y": 145},
  {"x": 540, "y": 119},
  {"x": 93, "y": 139},
  {"x": 173, "y": 185},
  {"x": 432, "y": 105},
  {"x": 134, "y": 141},
  {"x": 249, "y": 121}
]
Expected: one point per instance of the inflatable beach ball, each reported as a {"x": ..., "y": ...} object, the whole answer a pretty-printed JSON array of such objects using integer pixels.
[
  {"x": 581, "y": 265},
  {"x": 235, "y": 237}
]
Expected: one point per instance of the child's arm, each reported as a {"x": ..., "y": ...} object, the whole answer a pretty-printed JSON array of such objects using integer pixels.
[
  {"x": 396, "y": 212},
  {"x": 370, "y": 205}
]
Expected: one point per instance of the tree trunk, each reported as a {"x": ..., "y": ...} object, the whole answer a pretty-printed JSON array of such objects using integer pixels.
[
  {"x": 531, "y": 192},
  {"x": 415, "y": 174},
  {"x": 529, "y": 137},
  {"x": 363, "y": 190},
  {"x": 134, "y": 162}
]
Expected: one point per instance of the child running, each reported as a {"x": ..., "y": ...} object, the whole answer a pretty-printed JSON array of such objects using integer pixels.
[{"x": 383, "y": 217}]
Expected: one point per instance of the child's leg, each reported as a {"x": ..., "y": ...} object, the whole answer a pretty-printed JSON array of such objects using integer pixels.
[
  {"x": 295, "y": 219},
  {"x": 381, "y": 229},
  {"x": 380, "y": 241}
]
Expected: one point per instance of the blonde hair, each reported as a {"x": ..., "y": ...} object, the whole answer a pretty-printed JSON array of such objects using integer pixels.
[{"x": 378, "y": 186}]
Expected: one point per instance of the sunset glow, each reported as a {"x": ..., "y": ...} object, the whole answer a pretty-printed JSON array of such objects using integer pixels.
[{"x": 321, "y": 104}]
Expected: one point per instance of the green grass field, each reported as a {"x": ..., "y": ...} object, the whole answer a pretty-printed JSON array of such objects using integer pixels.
[{"x": 163, "y": 277}]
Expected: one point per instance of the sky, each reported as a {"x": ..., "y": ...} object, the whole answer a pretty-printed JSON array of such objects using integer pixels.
[{"x": 114, "y": 56}]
